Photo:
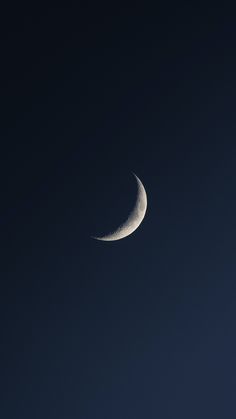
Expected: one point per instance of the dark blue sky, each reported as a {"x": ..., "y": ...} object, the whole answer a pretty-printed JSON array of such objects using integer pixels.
[{"x": 143, "y": 327}]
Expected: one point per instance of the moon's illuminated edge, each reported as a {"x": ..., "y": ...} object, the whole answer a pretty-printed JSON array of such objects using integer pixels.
[{"x": 135, "y": 218}]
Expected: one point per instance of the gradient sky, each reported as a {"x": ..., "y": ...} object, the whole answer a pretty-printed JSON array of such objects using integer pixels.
[{"x": 143, "y": 327}]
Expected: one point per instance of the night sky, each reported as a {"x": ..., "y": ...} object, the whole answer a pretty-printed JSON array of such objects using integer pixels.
[{"x": 140, "y": 328}]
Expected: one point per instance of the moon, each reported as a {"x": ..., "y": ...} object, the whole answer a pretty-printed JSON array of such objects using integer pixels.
[{"x": 135, "y": 218}]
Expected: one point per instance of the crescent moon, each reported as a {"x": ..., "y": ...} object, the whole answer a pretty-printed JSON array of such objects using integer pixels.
[{"x": 135, "y": 218}]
